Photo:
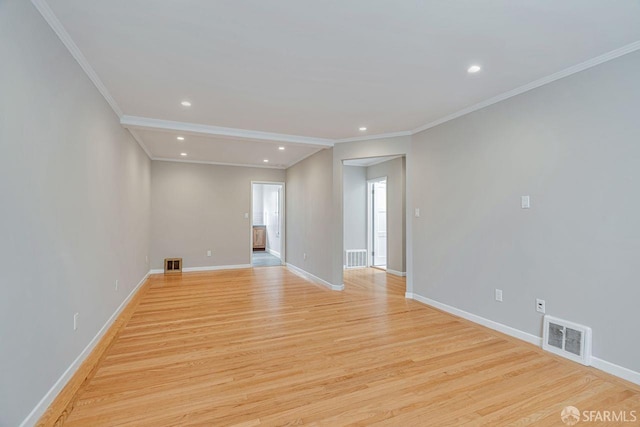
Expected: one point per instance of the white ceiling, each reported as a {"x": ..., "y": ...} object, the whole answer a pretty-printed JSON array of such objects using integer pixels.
[
  {"x": 323, "y": 69},
  {"x": 234, "y": 151}
]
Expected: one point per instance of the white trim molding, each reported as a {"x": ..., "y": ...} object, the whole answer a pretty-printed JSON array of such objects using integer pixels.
[
  {"x": 53, "y": 392},
  {"x": 146, "y": 123},
  {"x": 375, "y": 136},
  {"x": 396, "y": 272},
  {"x": 618, "y": 371},
  {"x": 532, "y": 339},
  {"x": 603, "y": 365},
  {"x": 141, "y": 143},
  {"x": 75, "y": 51},
  {"x": 315, "y": 279},
  {"x": 272, "y": 252},
  {"x": 204, "y": 162}
]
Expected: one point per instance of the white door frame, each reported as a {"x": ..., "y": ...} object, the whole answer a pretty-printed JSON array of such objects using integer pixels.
[
  {"x": 369, "y": 222},
  {"x": 282, "y": 221}
]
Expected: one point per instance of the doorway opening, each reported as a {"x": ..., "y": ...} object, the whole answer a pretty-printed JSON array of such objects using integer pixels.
[
  {"x": 374, "y": 213},
  {"x": 267, "y": 224},
  {"x": 377, "y": 222}
]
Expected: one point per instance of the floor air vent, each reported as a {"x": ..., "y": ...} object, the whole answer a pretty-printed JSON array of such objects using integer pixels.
[
  {"x": 356, "y": 258},
  {"x": 567, "y": 339},
  {"x": 173, "y": 265}
]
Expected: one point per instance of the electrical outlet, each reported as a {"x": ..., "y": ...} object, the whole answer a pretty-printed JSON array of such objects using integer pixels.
[
  {"x": 499, "y": 295},
  {"x": 525, "y": 202},
  {"x": 208, "y": 253},
  {"x": 304, "y": 256},
  {"x": 540, "y": 306},
  {"x": 146, "y": 259},
  {"x": 75, "y": 321},
  {"x": 116, "y": 284}
]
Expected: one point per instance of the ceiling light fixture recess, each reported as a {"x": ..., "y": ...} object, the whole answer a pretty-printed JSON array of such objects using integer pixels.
[
  {"x": 183, "y": 154},
  {"x": 180, "y": 138},
  {"x": 473, "y": 69},
  {"x": 266, "y": 160},
  {"x": 362, "y": 128},
  {"x": 281, "y": 148},
  {"x": 185, "y": 104}
]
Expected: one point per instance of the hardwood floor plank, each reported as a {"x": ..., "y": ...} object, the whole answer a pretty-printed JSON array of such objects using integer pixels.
[{"x": 263, "y": 347}]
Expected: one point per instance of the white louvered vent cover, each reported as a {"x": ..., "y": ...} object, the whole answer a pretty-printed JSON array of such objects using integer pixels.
[
  {"x": 567, "y": 339},
  {"x": 356, "y": 258}
]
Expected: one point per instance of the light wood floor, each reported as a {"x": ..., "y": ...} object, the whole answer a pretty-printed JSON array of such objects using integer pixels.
[{"x": 264, "y": 347}]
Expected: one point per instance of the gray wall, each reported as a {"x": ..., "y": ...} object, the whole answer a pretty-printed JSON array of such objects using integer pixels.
[
  {"x": 574, "y": 147},
  {"x": 309, "y": 215},
  {"x": 394, "y": 170},
  {"x": 74, "y": 215},
  {"x": 200, "y": 207},
  {"x": 355, "y": 207}
]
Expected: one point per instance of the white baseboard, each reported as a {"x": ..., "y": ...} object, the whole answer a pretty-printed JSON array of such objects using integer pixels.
[
  {"x": 603, "y": 365},
  {"x": 308, "y": 276},
  {"x": 396, "y": 272},
  {"x": 48, "y": 398},
  {"x": 205, "y": 268},
  {"x": 477, "y": 319},
  {"x": 274, "y": 253},
  {"x": 618, "y": 371}
]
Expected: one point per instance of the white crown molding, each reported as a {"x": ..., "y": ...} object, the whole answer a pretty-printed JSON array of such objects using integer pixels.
[
  {"x": 141, "y": 143},
  {"x": 146, "y": 123},
  {"x": 376, "y": 136},
  {"x": 204, "y": 162},
  {"x": 632, "y": 47},
  {"x": 66, "y": 39},
  {"x": 306, "y": 156}
]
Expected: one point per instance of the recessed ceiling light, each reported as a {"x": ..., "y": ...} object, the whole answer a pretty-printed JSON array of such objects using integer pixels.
[
  {"x": 362, "y": 128},
  {"x": 266, "y": 160},
  {"x": 281, "y": 148},
  {"x": 473, "y": 69},
  {"x": 180, "y": 138},
  {"x": 185, "y": 104},
  {"x": 183, "y": 154}
]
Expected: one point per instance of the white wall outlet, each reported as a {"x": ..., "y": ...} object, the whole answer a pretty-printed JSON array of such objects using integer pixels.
[
  {"x": 208, "y": 253},
  {"x": 75, "y": 321},
  {"x": 246, "y": 215},
  {"x": 499, "y": 295},
  {"x": 417, "y": 212},
  {"x": 146, "y": 259},
  {"x": 116, "y": 284},
  {"x": 304, "y": 255},
  {"x": 525, "y": 202},
  {"x": 540, "y": 306}
]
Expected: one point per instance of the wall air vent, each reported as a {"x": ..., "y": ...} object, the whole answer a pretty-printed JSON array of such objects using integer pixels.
[
  {"x": 567, "y": 339},
  {"x": 355, "y": 258},
  {"x": 172, "y": 265}
]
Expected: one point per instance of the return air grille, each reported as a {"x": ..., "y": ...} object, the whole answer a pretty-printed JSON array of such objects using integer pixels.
[
  {"x": 567, "y": 339},
  {"x": 356, "y": 258},
  {"x": 173, "y": 265}
]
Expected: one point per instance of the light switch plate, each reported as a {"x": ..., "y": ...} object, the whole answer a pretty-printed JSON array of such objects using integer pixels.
[{"x": 526, "y": 202}]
